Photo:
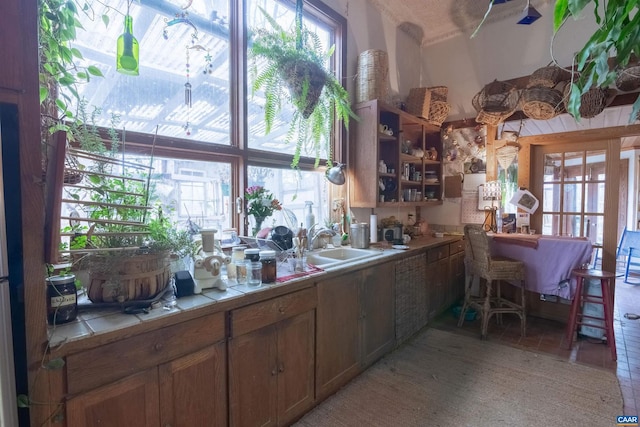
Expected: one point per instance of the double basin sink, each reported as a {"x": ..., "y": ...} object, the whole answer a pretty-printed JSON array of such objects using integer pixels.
[{"x": 337, "y": 256}]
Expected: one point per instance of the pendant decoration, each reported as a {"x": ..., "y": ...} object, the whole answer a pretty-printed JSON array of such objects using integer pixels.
[
  {"x": 208, "y": 66},
  {"x": 180, "y": 18},
  {"x": 187, "y": 85}
]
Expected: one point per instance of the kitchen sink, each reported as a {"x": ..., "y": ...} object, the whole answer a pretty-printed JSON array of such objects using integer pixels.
[
  {"x": 345, "y": 253},
  {"x": 332, "y": 257}
]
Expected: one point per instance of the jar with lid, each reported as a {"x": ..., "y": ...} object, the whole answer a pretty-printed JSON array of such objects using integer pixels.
[
  {"x": 62, "y": 299},
  {"x": 269, "y": 270},
  {"x": 237, "y": 256},
  {"x": 254, "y": 267}
]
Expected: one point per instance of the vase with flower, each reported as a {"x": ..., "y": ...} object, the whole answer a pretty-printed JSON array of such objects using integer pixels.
[{"x": 260, "y": 204}]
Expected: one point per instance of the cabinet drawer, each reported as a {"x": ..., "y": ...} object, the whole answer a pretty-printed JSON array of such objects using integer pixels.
[
  {"x": 256, "y": 316},
  {"x": 436, "y": 254},
  {"x": 110, "y": 362},
  {"x": 456, "y": 247}
]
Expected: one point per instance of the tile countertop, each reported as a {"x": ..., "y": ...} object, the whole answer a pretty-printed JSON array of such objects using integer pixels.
[{"x": 93, "y": 322}]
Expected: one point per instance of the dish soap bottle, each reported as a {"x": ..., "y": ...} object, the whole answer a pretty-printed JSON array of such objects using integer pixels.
[{"x": 309, "y": 218}]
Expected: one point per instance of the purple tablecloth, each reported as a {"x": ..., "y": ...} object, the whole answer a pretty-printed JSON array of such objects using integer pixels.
[{"x": 549, "y": 265}]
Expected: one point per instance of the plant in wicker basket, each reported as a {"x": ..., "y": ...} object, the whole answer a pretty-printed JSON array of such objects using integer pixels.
[
  {"x": 294, "y": 70},
  {"x": 124, "y": 244}
]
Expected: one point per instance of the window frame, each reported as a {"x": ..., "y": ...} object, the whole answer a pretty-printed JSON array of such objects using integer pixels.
[{"x": 237, "y": 152}]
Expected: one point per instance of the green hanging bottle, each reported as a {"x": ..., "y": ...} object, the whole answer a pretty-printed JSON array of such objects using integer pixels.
[{"x": 128, "y": 50}]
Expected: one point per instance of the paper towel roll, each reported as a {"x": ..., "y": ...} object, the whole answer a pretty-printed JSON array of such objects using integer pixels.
[{"x": 373, "y": 228}]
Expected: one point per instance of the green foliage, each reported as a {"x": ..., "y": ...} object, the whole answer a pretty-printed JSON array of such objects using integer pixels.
[
  {"x": 617, "y": 36},
  {"x": 280, "y": 50},
  {"x": 59, "y": 72},
  {"x": 164, "y": 235}
]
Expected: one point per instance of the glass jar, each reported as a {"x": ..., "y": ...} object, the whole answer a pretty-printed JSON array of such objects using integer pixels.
[
  {"x": 62, "y": 299},
  {"x": 268, "y": 261},
  {"x": 237, "y": 256},
  {"x": 254, "y": 267}
]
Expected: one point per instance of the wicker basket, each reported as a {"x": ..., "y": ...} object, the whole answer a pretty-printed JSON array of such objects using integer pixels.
[
  {"x": 628, "y": 79},
  {"x": 592, "y": 103},
  {"x": 543, "y": 103},
  {"x": 373, "y": 75},
  {"x": 438, "y": 93},
  {"x": 548, "y": 76},
  {"x": 418, "y": 102},
  {"x": 493, "y": 119},
  {"x": 128, "y": 278},
  {"x": 497, "y": 97},
  {"x": 438, "y": 112}
]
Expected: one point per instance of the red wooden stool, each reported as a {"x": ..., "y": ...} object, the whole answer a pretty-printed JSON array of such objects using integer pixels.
[{"x": 580, "y": 298}]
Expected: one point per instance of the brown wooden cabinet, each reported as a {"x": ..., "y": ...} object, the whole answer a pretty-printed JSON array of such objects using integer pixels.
[
  {"x": 338, "y": 332},
  {"x": 400, "y": 153},
  {"x": 193, "y": 389},
  {"x": 437, "y": 279},
  {"x": 163, "y": 377},
  {"x": 456, "y": 271},
  {"x": 130, "y": 402},
  {"x": 378, "y": 311},
  {"x": 271, "y": 360},
  {"x": 355, "y": 324}
]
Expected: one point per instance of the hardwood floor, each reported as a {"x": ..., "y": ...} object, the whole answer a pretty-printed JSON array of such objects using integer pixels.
[{"x": 547, "y": 336}]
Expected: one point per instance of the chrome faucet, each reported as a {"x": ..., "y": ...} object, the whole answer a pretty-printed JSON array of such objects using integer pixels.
[{"x": 320, "y": 233}]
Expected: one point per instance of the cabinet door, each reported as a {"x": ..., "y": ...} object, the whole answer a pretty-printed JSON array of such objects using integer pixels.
[
  {"x": 193, "y": 389},
  {"x": 253, "y": 374},
  {"x": 296, "y": 361},
  {"x": 411, "y": 310},
  {"x": 456, "y": 272},
  {"x": 437, "y": 285},
  {"x": 377, "y": 305},
  {"x": 130, "y": 402},
  {"x": 337, "y": 334}
]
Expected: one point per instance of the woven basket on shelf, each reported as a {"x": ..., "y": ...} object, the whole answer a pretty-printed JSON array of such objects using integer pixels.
[
  {"x": 628, "y": 79},
  {"x": 497, "y": 97},
  {"x": 543, "y": 103},
  {"x": 373, "y": 75},
  {"x": 548, "y": 76},
  {"x": 438, "y": 112},
  {"x": 493, "y": 119},
  {"x": 438, "y": 93},
  {"x": 419, "y": 101},
  {"x": 592, "y": 102}
]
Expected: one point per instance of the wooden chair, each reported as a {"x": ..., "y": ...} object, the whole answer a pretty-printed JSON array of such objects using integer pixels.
[{"x": 480, "y": 263}]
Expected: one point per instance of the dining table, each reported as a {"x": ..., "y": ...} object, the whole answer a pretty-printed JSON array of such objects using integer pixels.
[{"x": 549, "y": 260}]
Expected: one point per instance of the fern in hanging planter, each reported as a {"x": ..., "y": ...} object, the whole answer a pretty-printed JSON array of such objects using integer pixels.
[{"x": 295, "y": 72}]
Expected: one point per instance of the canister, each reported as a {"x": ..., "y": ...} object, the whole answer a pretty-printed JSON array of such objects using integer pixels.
[
  {"x": 360, "y": 235},
  {"x": 62, "y": 299}
]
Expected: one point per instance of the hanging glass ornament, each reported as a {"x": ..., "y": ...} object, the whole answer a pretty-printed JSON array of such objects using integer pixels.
[
  {"x": 187, "y": 85},
  {"x": 180, "y": 18},
  {"x": 128, "y": 55}
]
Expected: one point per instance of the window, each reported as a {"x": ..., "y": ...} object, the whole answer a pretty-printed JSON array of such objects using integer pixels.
[{"x": 182, "y": 103}]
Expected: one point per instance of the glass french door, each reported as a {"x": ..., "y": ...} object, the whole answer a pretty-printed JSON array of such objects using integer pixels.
[
  {"x": 575, "y": 184},
  {"x": 573, "y": 194}
]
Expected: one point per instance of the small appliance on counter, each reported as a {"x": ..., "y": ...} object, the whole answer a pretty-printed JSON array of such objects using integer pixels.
[{"x": 207, "y": 268}]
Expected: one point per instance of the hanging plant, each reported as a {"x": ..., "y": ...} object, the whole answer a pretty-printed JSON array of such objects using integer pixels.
[
  {"x": 295, "y": 72},
  {"x": 617, "y": 36}
]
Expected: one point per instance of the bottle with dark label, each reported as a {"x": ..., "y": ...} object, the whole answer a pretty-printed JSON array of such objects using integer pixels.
[{"x": 62, "y": 299}]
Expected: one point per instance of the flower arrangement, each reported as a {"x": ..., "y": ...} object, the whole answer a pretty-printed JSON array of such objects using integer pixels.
[{"x": 260, "y": 204}]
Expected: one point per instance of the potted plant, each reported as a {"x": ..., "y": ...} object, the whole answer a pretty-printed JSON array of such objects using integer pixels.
[
  {"x": 124, "y": 243},
  {"x": 295, "y": 72}
]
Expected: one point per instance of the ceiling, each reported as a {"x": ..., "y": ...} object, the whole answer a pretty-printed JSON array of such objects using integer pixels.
[{"x": 433, "y": 21}]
